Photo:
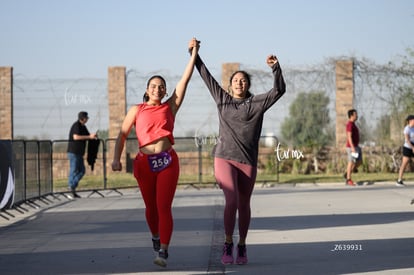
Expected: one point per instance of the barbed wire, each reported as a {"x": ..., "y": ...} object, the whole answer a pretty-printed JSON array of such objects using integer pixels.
[{"x": 45, "y": 107}]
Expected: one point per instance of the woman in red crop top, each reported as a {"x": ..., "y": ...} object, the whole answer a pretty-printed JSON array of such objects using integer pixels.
[{"x": 156, "y": 166}]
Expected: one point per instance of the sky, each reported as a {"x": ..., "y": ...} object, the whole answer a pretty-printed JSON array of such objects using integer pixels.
[{"x": 71, "y": 39}]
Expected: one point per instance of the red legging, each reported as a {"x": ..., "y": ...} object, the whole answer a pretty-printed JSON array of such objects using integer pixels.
[
  {"x": 237, "y": 182},
  {"x": 157, "y": 190}
]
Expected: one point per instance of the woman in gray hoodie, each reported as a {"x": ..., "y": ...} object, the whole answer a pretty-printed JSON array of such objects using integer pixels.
[{"x": 236, "y": 152}]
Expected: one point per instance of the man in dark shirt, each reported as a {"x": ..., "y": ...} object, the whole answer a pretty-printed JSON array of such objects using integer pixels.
[{"x": 78, "y": 135}]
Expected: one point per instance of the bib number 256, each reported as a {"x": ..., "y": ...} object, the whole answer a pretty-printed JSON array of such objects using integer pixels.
[{"x": 159, "y": 161}]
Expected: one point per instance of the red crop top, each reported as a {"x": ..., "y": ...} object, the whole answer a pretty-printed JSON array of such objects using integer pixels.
[{"x": 153, "y": 123}]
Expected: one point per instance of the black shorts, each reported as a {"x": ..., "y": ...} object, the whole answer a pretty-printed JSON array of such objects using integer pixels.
[{"x": 407, "y": 152}]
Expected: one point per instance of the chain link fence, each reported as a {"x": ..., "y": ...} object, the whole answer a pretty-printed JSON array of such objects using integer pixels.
[{"x": 44, "y": 110}]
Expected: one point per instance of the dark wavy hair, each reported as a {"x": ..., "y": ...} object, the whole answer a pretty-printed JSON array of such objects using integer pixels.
[
  {"x": 248, "y": 78},
  {"x": 146, "y": 97}
]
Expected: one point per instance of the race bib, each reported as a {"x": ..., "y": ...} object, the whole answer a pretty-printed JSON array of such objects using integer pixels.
[{"x": 159, "y": 162}]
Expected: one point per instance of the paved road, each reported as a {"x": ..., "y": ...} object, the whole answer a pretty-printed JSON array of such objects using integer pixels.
[{"x": 295, "y": 229}]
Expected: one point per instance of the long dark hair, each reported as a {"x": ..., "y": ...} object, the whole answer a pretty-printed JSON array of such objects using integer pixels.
[
  {"x": 248, "y": 78},
  {"x": 146, "y": 97}
]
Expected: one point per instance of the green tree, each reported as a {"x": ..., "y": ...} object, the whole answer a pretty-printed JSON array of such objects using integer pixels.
[
  {"x": 364, "y": 130},
  {"x": 308, "y": 124},
  {"x": 308, "y": 121},
  {"x": 381, "y": 133},
  {"x": 398, "y": 80}
]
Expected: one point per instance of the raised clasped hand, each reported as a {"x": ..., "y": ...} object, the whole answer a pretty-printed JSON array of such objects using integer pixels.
[
  {"x": 193, "y": 43},
  {"x": 271, "y": 60}
]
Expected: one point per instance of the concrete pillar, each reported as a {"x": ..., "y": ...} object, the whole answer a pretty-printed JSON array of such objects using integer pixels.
[
  {"x": 6, "y": 102},
  {"x": 116, "y": 99},
  {"x": 344, "y": 98},
  {"x": 227, "y": 69}
]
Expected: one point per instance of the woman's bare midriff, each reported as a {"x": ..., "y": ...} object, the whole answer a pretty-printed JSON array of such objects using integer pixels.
[{"x": 156, "y": 147}]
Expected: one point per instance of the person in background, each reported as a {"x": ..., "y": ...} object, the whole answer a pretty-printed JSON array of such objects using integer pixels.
[
  {"x": 156, "y": 166},
  {"x": 78, "y": 135},
  {"x": 352, "y": 147},
  {"x": 407, "y": 149},
  {"x": 236, "y": 154}
]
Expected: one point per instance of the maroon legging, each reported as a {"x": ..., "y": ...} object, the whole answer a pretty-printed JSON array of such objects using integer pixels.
[
  {"x": 237, "y": 182},
  {"x": 157, "y": 190}
]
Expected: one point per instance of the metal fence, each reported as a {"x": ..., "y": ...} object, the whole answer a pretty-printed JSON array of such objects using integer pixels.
[
  {"x": 41, "y": 167},
  {"x": 32, "y": 165}
]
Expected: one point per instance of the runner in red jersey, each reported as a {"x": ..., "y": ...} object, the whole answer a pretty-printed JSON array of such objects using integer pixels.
[{"x": 156, "y": 165}]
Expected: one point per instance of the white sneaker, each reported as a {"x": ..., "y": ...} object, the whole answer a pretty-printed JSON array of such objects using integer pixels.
[
  {"x": 69, "y": 196},
  {"x": 400, "y": 183},
  {"x": 161, "y": 258}
]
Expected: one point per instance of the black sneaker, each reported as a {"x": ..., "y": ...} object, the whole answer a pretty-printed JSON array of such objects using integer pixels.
[
  {"x": 400, "y": 183},
  {"x": 161, "y": 259},
  {"x": 156, "y": 244},
  {"x": 75, "y": 195}
]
